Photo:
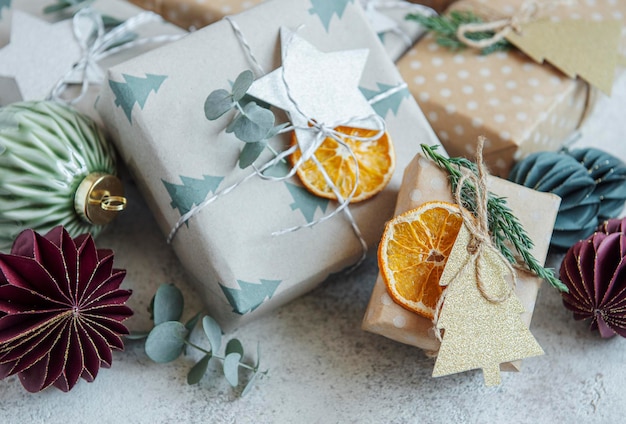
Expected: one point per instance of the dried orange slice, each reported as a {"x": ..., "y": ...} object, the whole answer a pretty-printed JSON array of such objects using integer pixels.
[
  {"x": 376, "y": 161},
  {"x": 414, "y": 250}
]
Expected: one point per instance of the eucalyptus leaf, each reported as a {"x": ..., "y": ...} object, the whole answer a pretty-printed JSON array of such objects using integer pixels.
[
  {"x": 218, "y": 103},
  {"x": 53, "y": 8},
  {"x": 168, "y": 304},
  {"x": 197, "y": 371},
  {"x": 255, "y": 124},
  {"x": 191, "y": 324},
  {"x": 234, "y": 346},
  {"x": 166, "y": 341},
  {"x": 137, "y": 335},
  {"x": 249, "y": 99},
  {"x": 242, "y": 84},
  {"x": 250, "y": 384},
  {"x": 213, "y": 333},
  {"x": 275, "y": 130},
  {"x": 231, "y": 368},
  {"x": 250, "y": 153},
  {"x": 234, "y": 123}
]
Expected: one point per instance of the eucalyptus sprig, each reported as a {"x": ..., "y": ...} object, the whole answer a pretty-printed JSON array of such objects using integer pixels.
[
  {"x": 169, "y": 338},
  {"x": 504, "y": 226},
  {"x": 253, "y": 123},
  {"x": 446, "y": 26}
]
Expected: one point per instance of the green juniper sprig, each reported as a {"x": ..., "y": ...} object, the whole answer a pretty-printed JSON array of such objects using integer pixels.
[
  {"x": 503, "y": 224},
  {"x": 169, "y": 338},
  {"x": 446, "y": 26}
]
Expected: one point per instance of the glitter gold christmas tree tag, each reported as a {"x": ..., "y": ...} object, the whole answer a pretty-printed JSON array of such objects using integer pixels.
[
  {"x": 481, "y": 319},
  {"x": 576, "y": 47}
]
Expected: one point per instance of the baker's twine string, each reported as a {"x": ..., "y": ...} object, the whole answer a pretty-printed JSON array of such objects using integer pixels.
[
  {"x": 528, "y": 12},
  {"x": 96, "y": 45},
  {"x": 478, "y": 227},
  {"x": 322, "y": 131}
]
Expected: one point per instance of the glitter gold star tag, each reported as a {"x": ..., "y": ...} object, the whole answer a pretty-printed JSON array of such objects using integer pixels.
[{"x": 480, "y": 333}]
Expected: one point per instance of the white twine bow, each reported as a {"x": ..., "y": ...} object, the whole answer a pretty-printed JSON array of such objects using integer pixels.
[
  {"x": 374, "y": 7},
  {"x": 322, "y": 131},
  {"x": 96, "y": 44}
]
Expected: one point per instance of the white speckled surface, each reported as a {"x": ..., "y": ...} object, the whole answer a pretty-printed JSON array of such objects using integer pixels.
[{"x": 324, "y": 369}]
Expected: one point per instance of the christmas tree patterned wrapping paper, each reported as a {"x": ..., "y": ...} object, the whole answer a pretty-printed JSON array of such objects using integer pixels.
[
  {"x": 424, "y": 181},
  {"x": 154, "y": 106},
  {"x": 34, "y": 9},
  {"x": 396, "y": 33},
  {"x": 519, "y": 105}
]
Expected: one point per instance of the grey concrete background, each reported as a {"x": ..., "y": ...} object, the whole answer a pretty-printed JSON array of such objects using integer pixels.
[{"x": 323, "y": 368}]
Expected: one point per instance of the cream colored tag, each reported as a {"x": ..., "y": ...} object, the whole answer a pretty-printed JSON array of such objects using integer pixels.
[
  {"x": 576, "y": 47},
  {"x": 479, "y": 333}
]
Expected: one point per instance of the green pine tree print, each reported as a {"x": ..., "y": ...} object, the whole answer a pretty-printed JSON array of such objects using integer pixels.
[
  {"x": 4, "y": 4},
  {"x": 391, "y": 103},
  {"x": 306, "y": 202},
  {"x": 135, "y": 90},
  {"x": 191, "y": 192},
  {"x": 326, "y": 9},
  {"x": 250, "y": 296}
]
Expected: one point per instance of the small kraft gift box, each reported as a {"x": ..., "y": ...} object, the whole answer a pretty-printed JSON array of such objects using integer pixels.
[
  {"x": 521, "y": 106},
  {"x": 424, "y": 182},
  {"x": 241, "y": 244}
]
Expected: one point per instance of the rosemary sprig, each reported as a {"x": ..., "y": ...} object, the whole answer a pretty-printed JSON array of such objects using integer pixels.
[
  {"x": 503, "y": 224},
  {"x": 446, "y": 26}
]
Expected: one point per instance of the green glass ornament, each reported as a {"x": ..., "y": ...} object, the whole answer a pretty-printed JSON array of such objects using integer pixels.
[
  {"x": 564, "y": 176},
  {"x": 609, "y": 173},
  {"x": 56, "y": 168}
]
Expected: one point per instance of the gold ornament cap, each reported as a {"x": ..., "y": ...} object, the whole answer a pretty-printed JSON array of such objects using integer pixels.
[{"x": 99, "y": 198}]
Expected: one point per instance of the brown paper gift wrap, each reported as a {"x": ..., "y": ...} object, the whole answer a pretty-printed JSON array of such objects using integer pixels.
[
  {"x": 242, "y": 270},
  {"x": 519, "y": 105},
  {"x": 424, "y": 181},
  {"x": 195, "y": 13}
]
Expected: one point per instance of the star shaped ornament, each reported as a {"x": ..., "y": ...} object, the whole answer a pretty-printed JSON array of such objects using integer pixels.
[
  {"x": 37, "y": 57},
  {"x": 313, "y": 85}
]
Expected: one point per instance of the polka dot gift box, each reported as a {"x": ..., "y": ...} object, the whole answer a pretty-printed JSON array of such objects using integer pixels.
[
  {"x": 424, "y": 181},
  {"x": 519, "y": 105}
]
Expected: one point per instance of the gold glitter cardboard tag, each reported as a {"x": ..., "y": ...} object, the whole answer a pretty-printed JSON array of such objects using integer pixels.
[{"x": 480, "y": 333}]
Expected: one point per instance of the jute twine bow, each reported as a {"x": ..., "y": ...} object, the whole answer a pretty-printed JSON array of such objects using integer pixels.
[
  {"x": 528, "y": 12},
  {"x": 96, "y": 44},
  {"x": 480, "y": 240}
]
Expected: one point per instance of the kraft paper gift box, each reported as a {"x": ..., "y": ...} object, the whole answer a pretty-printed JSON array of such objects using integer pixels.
[
  {"x": 424, "y": 181},
  {"x": 519, "y": 105},
  {"x": 121, "y": 10},
  {"x": 179, "y": 158},
  {"x": 194, "y": 14}
]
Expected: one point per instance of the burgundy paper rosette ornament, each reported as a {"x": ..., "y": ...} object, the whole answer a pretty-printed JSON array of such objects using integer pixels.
[
  {"x": 594, "y": 270},
  {"x": 61, "y": 309}
]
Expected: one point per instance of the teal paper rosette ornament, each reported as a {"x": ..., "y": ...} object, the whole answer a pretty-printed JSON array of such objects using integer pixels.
[
  {"x": 566, "y": 177},
  {"x": 609, "y": 174},
  {"x": 56, "y": 168}
]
